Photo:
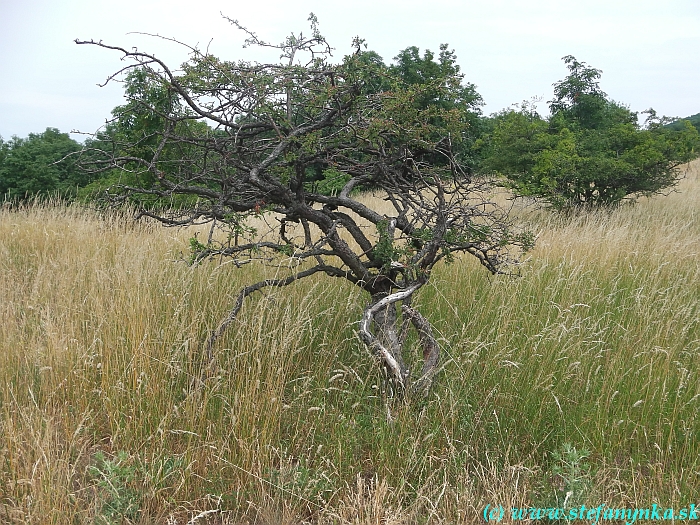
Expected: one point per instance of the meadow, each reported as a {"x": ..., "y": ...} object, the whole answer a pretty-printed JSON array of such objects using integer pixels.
[{"x": 576, "y": 380}]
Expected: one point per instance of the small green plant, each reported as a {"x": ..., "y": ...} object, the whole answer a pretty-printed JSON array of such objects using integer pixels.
[
  {"x": 570, "y": 480},
  {"x": 115, "y": 478},
  {"x": 196, "y": 250},
  {"x": 287, "y": 249}
]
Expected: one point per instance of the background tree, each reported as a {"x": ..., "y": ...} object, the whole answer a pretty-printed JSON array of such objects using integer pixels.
[
  {"x": 40, "y": 164},
  {"x": 273, "y": 126},
  {"x": 578, "y": 99},
  {"x": 440, "y": 84},
  {"x": 590, "y": 151},
  {"x": 134, "y": 131},
  {"x": 434, "y": 84}
]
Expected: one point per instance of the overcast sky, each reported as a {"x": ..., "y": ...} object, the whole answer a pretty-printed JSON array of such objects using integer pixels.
[{"x": 649, "y": 51}]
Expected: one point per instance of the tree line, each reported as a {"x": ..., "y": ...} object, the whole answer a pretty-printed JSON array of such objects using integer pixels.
[{"x": 589, "y": 150}]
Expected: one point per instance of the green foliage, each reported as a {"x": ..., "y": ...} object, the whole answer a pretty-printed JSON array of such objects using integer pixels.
[
  {"x": 443, "y": 77},
  {"x": 414, "y": 89},
  {"x": 578, "y": 98},
  {"x": 197, "y": 250},
  {"x": 679, "y": 124},
  {"x": 570, "y": 480},
  {"x": 590, "y": 151},
  {"x": 40, "y": 165},
  {"x": 115, "y": 477},
  {"x": 517, "y": 138},
  {"x": 439, "y": 84},
  {"x": 371, "y": 71},
  {"x": 137, "y": 126},
  {"x": 4, "y": 148},
  {"x": 384, "y": 250},
  {"x": 331, "y": 183}
]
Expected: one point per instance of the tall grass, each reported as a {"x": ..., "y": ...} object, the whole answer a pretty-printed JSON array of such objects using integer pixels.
[{"x": 596, "y": 345}]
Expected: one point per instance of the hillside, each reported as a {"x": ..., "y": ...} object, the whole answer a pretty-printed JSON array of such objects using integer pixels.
[{"x": 693, "y": 119}]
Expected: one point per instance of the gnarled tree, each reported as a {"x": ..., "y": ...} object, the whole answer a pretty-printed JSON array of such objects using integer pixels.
[{"x": 278, "y": 137}]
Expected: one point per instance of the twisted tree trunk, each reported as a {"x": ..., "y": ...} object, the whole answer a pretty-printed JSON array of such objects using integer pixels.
[{"x": 388, "y": 345}]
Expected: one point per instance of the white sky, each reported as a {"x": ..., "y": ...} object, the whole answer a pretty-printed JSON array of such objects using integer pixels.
[{"x": 649, "y": 51}]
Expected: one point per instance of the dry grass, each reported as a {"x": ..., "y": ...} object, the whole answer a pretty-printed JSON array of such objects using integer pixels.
[{"x": 596, "y": 344}]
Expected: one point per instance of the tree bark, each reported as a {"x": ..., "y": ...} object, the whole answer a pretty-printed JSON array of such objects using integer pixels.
[
  {"x": 431, "y": 351},
  {"x": 387, "y": 341}
]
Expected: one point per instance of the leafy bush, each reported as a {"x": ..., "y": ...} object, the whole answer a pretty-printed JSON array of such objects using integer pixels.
[{"x": 590, "y": 151}]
